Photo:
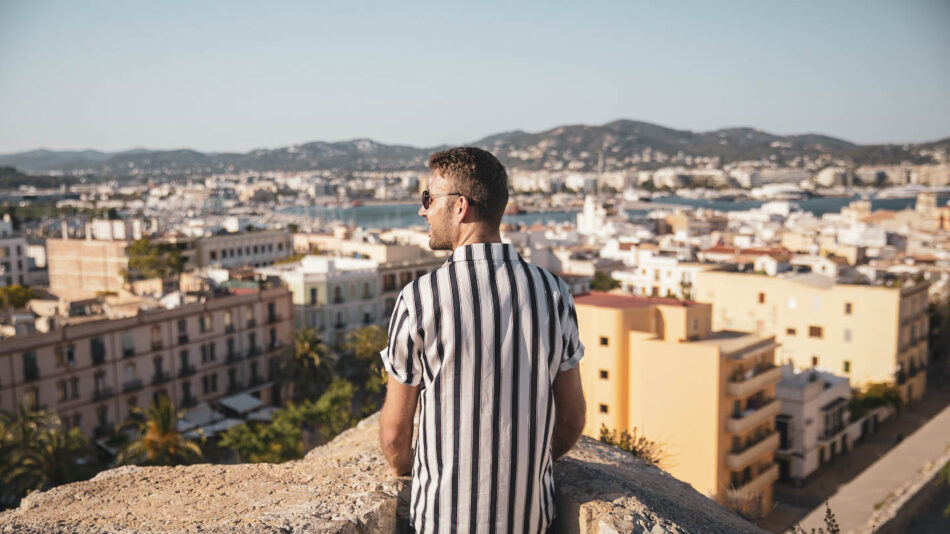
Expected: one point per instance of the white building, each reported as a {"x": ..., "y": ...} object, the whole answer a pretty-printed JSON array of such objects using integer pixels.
[
  {"x": 660, "y": 276},
  {"x": 814, "y": 425},
  {"x": 332, "y": 295}
]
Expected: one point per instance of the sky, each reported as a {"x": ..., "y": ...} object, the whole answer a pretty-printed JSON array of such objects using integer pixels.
[{"x": 235, "y": 76}]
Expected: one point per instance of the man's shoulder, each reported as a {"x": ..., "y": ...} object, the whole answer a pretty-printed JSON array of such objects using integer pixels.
[{"x": 558, "y": 282}]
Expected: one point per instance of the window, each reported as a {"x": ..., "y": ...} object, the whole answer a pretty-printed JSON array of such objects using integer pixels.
[
  {"x": 847, "y": 366},
  {"x": 128, "y": 344},
  {"x": 97, "y": 347},
  {"x": 31, "y": 370},
  {"x": 603, "y": 374},
  {"x": 604, "y": 342},
  {"x": 761, "y": 298},
  {"x": 814, "y": 361},
  {"x": 214, "y": 254},
  {"x": 313, "y": 296},
  {"x": 61, "y": 393},
  {"x": 204, "y": 323},
  {"x": 815, "y": 331},
  {"x": 848, "y": 308},
  {"x": 847, "y": 334},
  {"x": 603, "y": 408},
  {"x": 789, "y": 331},
  {"x": 74, "y": 387}
]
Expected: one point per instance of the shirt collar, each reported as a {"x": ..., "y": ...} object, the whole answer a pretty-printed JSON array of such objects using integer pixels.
[{"x": 481, "y": 251}]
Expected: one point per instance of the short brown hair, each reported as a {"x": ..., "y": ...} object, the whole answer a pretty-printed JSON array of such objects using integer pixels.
[{"x": 478, "y": 176}]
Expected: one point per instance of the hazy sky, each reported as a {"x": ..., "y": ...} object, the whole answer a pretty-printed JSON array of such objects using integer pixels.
[{"x": 232, "y": 76}]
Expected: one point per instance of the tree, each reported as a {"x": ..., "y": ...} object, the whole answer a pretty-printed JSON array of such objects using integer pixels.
[
  {"x": 638, "y": 446},
  {"x": 282, "y": 439},
  {"x": 873, "y": 396},
  {"x": 603, "y": 282},
  {"x": 157, "y": 441},
  {"x": 147, "y": 260},
  {"x": 37, "y": 454},
  {"x": 364, "y": 365},
  {"x": 15, "y": 296},
  {"x": 307, "y": 368}
]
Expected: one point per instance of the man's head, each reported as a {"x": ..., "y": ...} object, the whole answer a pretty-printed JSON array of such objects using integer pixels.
[{"x": 469, "y": 192}]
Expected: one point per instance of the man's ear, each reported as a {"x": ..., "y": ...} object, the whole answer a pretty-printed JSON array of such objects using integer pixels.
[{"x": 466, "y": 212}]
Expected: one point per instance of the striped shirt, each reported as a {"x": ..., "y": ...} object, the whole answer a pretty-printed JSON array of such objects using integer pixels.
[{"x": 485, "y": 335}]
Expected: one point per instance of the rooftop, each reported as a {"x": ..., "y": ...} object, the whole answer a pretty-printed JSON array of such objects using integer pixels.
[
  {"x": 730, "y": 341},
  {"x": 601, "y": 299}
]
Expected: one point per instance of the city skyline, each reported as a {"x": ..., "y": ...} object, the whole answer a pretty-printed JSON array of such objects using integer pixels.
[{"x": 233, "y": 78}]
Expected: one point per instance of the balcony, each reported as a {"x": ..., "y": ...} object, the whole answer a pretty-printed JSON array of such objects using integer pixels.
[
  {"x": 156, "y": 345},
  {"x": 98, "y": 358},
  {"x": 232, "y": 357},
  {"x": 274, "y": 346},
  {"x": 31, "y": 373},
  {"x": 186, "y": 370},
  {"x": 102, "y": 393},
  {"x": 739, "y": 459},
  {"x": 251, "y": 323},
  {"x": 229, "y": 328},
  {"x": 182, "y": 339},
  {"x": 235, "y": 386},
  {"x": 757, "y": 382},
  {"x": 253, "y": 351},
  {"x": 160, "y": 378},
  {"x": 131, "y": 385},
  {"x": 759, "y": 482},
  {"x": 753, "y": 417},
  {"x": 128, "y": 352},
  {"x": 189, "y": 401},
  {"x": 102, "y": 430},
  {"x": 271, "y": 319}
]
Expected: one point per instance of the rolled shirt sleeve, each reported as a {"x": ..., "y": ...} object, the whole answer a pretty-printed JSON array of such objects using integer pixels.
[
  {"x": 402, "y": 357},
  {"x": 573, "y": 348}
]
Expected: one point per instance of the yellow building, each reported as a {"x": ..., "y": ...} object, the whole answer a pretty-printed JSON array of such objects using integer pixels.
[
  {"x": 865, "y": 332},
  {"x": 707, "y": 397}
]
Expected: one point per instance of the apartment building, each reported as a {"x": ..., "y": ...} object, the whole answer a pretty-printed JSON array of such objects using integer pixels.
[
  {"x": 660, "y": 276},
  {"x": 868, "y": 333},
  {"x": 707, "y": 397},
  {"x": 254, "y": 249},
  {"x": 94, "y": 371},
  {"x": 332, "y": 295}
]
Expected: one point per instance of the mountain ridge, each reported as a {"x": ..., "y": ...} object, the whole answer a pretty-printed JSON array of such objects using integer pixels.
[{"x": 617, "y": 145}]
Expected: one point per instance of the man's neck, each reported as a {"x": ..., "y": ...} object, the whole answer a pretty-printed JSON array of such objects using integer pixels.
[{"x": 477, "y": 235}]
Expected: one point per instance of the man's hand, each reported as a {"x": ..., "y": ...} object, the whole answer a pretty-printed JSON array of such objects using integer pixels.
[
  {"x": 569, "y": 412},
  {"x": 395, "y": 426}
]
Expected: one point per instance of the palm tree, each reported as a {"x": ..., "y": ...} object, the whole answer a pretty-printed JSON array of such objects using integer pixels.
[
  {"x": 158, "y": 440},
  {"x": 36, "y": 454},
  {"x": 56, "y": 458},
  {"x": 306, "y": 369}
]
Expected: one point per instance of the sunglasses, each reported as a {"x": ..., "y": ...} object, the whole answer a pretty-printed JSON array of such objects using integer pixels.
[{"x": 427, "y": 198}]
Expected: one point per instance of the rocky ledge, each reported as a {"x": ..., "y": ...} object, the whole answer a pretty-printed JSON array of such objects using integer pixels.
[{"x": 342, "y": 487}]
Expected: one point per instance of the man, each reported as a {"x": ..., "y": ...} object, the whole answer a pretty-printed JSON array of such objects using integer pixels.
[{"x": 490, "y": 343}]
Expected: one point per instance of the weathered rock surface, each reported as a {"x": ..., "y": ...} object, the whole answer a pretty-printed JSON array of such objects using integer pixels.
[{"x": 342, "y": 487}]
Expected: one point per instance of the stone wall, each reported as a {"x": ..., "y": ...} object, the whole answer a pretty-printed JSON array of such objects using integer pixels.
[{"x": 342, "y": 488}]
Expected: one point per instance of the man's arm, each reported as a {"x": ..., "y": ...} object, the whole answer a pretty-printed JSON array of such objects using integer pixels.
[
  {"x": 570, "y": 411},
  {"x": 395, "y": 425}
]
